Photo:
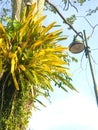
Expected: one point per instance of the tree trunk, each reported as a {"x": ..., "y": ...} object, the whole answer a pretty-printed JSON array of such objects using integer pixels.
[
  {"x": 17, "y": 6},
  {"x": 16, "y": 9},
  {"x": 40, "y": 6}
]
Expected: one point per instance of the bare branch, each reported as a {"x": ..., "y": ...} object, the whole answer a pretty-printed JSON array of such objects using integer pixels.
[
  {"x": 66, "y": 6},
  {"x": 92, "y": 31},
  {"x": 62, "y": 17},
  {"x": 86, "y": 20},
  {"x": 69, "y": 3},
  {"x": 93, "y": 27},
  {"x": 94, "y": 60},
  {"x": 73, "y": 5}
]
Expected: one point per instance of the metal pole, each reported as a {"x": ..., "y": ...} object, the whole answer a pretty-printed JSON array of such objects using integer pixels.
[{"x": 87, "y": 52}]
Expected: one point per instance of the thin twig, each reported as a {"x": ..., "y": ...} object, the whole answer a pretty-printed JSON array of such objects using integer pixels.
[
  {"x": 92, "y": 31},
  {"x": 73, "y": 5},
  {"x": 66, "y": 7},
  {"x": 88, "y": 22},
  {"x": 94, "y": 60},
  {"x": 67, "y": 4},
  {"x": 94, "y": 49},
  {"x": 93, "y": 27}
]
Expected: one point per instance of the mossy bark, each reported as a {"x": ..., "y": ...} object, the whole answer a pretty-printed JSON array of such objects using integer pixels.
[{"x": 15, "y": 106}]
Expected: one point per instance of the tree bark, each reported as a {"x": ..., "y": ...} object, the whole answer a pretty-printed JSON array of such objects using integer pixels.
[
  {"x": 17, "y": 6},
  {"x": 16, "y": 9},
  {"x": 40, "y": 7}
]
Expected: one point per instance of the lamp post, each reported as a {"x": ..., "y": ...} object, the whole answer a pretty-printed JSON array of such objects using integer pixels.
[{"x": 77, "y": 47}]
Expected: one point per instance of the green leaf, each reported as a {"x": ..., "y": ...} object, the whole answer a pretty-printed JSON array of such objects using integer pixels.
[
  {"x": 39, "y": 102},
  {"x": 74, "y": 59},
  {"x": 29, "y": 76},
  {"x": 71, "y": 19},
  {"x": 92, "y": 11},
  {"x": 61, "y": 86},
  {"x": 81, "y": 1}
]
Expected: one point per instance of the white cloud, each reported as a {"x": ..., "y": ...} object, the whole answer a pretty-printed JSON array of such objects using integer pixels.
[{"x": 77, "y": 111}]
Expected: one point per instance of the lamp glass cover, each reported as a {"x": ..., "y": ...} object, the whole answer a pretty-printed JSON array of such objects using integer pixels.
[{"x": 76, "y": 47}]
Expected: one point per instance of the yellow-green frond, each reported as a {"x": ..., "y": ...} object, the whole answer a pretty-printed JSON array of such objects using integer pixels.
[
  {"x": 46, "y": 29},
  {"x": 34, "y": 53}
]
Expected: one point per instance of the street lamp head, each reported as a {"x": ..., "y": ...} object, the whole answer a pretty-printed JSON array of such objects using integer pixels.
[{"x": 76, "y": 46}]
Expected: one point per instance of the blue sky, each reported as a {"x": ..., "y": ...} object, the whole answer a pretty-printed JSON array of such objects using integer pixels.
[{"x": 73, "y": 111}]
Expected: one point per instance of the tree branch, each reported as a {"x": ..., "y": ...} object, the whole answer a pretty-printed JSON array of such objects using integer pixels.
[
  {"x": 62, "y": 17},
  {"x": 93, "y": 27},
  {"x": 69, "y": 3}
]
